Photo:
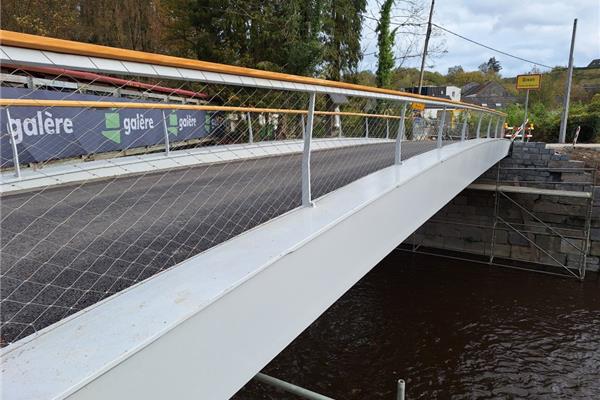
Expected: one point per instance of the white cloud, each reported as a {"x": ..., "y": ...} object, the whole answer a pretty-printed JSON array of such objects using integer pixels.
[{"x": 539, "y": 30}]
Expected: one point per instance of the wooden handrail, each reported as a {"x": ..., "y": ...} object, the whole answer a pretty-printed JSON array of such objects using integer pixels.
[{"x": 16, "y": 39}]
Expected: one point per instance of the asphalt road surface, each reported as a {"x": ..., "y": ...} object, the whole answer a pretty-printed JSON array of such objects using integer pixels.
[{"x": 66, "y": 248}]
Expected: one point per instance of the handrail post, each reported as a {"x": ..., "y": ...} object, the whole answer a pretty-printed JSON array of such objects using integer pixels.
[
  {"x": 441, "y": 128},
  {"x": 166, "y": 130},
  {"x": 387, "y": 128},
  {"x": 502, "y": 128},
  {"x": 496, "y": 128},
  {"x": 250, "y": 133},
  {"x": 401, "y": 128},
  {"x": 13, "y": 144},
  {"x": 306, "y": 195},
  {"x": 489, "y": 128},
  {"x": 478, "y": 133},
  {"x": 367, "y": 127},
  {"x": 463, "y": 132}
]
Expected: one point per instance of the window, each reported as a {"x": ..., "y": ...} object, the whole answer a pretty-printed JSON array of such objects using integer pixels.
[
  {"x": 498, "y": 104},
  {"x": 484, "y": 104}
]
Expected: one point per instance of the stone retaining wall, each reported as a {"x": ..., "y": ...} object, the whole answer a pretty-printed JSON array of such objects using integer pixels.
[{"x": 465, "y": 224}]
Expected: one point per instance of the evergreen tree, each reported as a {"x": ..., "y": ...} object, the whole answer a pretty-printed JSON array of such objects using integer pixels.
[
  {"x": 342, "y": 27},
  {"x": 385, "y": 43}
]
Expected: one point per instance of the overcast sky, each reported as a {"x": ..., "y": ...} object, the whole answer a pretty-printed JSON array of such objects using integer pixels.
[{"x": 539, "y": 30}]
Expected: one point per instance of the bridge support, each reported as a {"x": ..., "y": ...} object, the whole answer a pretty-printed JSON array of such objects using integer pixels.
[{"x": 489, "y": 128}]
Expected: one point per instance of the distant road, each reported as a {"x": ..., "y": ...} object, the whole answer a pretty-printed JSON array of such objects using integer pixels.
[{"x": 66, "y": 248}]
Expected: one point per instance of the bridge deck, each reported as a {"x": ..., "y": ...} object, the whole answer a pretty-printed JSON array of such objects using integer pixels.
[{"x": 69, "y": 247}]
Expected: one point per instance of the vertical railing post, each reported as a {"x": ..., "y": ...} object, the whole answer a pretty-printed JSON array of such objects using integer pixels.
[
  {"x": 497, "y": 126},
  {"x": 463, "y": 132},
  {"x": 400, "y": 137},
  {"x": 478, "y": 133},
  {"x": 489, "y": 126},
  {"x": 250, "y": 133},
  {"x": 387, "y": 128},
  {"x": 166, "y": 130},
  {"x": 367, "y": 127},
  {"x": 13, "y": 144},
  {"x": 441, "y": 128},
  {"x": 306, "y": 195}
]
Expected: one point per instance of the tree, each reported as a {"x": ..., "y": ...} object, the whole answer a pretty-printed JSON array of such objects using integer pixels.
[
  {"x": 491, "y": 66},
  {"x": 457, "y": 69},
  {"x": 132, "y": 24},
  {"x": 385, "y": 43},
  {"x": 342, "y": 28},
  {"x": 42, "y": 17}
]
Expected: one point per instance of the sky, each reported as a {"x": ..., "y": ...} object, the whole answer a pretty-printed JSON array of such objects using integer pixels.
[{"x": 538, "y": 30}]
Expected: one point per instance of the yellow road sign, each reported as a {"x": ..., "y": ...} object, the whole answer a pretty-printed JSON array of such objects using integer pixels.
[
  {"x": 529, "y": 82},
  {"x": 418, "y": 106}
]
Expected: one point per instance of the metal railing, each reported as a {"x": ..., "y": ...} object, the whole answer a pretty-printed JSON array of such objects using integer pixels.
[{"x": 194, "y": 175}]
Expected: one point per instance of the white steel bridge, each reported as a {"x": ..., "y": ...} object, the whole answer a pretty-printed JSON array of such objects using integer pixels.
[{"x": 182, "y": 273}]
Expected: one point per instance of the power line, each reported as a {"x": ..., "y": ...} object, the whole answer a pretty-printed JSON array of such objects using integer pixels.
[{"x": 490, "y": 48}]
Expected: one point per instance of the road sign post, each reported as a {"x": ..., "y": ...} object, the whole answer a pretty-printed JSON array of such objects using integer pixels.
[
  {"x": 527, "y": 83},
  {"x": 525, "y": 116}
]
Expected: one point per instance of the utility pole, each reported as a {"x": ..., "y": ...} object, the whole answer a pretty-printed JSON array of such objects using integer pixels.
[
  {"x": 565, "y": 114},
  {"x": 427, "y": 35}
]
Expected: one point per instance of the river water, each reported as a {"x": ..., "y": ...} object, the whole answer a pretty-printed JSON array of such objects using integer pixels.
[{"x": 452, "y": 330}]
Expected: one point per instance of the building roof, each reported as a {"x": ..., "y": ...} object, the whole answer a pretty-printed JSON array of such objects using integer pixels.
[
  {"x": 473, "y": 89},
  {"x": 594, "y": 63}
]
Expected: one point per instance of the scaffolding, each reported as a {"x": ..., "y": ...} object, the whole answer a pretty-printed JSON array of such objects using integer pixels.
[{"x": 577, "y": 241}]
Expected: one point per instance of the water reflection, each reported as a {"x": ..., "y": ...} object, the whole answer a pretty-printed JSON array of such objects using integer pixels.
[{"x": 451, "y": 330}]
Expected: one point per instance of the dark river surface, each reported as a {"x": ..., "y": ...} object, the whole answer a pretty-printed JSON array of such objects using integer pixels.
[{"x": 452, "y": 330}]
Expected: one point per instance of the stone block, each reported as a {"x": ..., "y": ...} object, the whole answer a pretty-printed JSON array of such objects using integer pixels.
[
  {"x": 595, "y": 234},
  {"x": 567, "y": 246},
  {"x": 501, "y": 250},
  {"x": 516, "y": 239},
  {"x": 565, "y": 163},
  {"x": 576, "y": 177},
  {"x": 592, "y": 264},
  {"x": 522, "y": 253},
  {"x": 546, "y": 259},
  {"x": 595, "y": 248},
  {"x": 501, "y": 237}
]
